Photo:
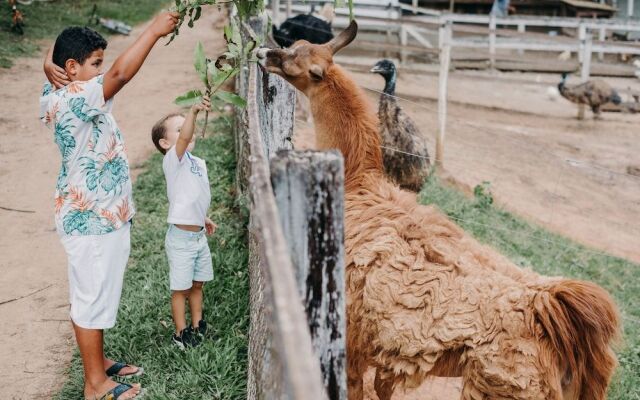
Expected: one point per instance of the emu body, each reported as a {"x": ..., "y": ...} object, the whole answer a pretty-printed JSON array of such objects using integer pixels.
[
  {"x": 594, "y": 93},
  {"x": 404, "y": 151}
]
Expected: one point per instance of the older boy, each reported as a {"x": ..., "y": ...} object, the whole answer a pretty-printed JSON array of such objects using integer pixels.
[{"x": 93, "y": 200}]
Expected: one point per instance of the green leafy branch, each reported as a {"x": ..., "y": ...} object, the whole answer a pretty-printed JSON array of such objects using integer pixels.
[
  {"x": 193, "y": 9},
  {"x": 214, "y": 74},
  {"x": 245, "y": 8}
]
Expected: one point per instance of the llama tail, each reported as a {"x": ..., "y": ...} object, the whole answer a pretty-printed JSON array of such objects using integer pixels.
[{"x": 581, "y": 322}]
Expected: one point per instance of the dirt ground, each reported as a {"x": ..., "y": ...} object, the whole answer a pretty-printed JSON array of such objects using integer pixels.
[{"x": 37, "y": 341}]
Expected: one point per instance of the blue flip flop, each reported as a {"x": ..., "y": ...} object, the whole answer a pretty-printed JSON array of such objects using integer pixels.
[
  {"x": 116, "y": 392},
  {"x": 118, "y": 366}
]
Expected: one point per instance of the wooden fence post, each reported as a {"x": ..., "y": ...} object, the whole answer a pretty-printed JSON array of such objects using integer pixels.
[
  {"x": 445, "y": 58},
  {"x": 492, "y": 41},
  {"x": 521, "y": 29},
  {"x": 276, "y": 104},
  {"x": 309, "y": 192},
  {"x": 582, "y": 35},
  {"x": 602, "y": 36},
  {"x": 275, "y": 11},
  {"x": 403, "y": 42},
  {"x": 585, "y": 68},
  {"x": 255, "y": 26},
  {"x": 282, "y": 363}
]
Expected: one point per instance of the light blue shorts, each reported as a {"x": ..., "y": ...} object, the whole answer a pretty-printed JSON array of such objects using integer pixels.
[{"x": 189, "y": 258}]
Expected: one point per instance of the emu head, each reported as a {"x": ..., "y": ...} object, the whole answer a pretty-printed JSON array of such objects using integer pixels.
[{"x": 304, "y": 65}]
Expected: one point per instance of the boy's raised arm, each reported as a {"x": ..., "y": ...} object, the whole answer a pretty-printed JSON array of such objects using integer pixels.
[
  {"x": 129, "y": 62},
  {"x": 186, "y": 131}
]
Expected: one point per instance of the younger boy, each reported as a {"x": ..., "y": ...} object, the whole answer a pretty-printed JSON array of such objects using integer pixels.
[
  {"x": 186, "y": 245},
  {"x": 93, "y": 202}
]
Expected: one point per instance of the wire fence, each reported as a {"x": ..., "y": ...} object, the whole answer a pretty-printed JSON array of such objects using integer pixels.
[{"x": 521, "y": 143}]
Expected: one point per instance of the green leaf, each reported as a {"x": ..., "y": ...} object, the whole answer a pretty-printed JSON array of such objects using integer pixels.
[
  {"x": 235, "y": 34},
  {"x": 223, "y": 76},
  {"x": 234, "y": 49},
  {"x": 227, "y": 32},
  {"x": 198, "y": 13},
  {"x": 188, "y": 99},
  {"x": 231, "y": 98},
  {"x": 213, "y": 71},
  {"x": 200, "y": 62}
]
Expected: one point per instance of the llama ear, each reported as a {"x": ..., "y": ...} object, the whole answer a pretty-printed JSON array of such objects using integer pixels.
[
  {"x": 316, "y": 72},
  {"x": 344, "y": 38}
]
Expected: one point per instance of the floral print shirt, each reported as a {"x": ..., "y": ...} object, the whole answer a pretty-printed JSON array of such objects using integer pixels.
[{"x": 93, "y": 192}]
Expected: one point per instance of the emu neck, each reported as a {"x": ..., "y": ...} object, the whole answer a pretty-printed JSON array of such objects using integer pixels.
[
  {"x": 345, "y": 120},
  {"x": 390, "y": 83}
]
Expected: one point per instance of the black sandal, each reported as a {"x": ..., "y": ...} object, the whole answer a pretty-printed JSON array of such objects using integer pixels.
[
  {"x": 116, "y": 392},
  {"x": 113, "y": 370}
]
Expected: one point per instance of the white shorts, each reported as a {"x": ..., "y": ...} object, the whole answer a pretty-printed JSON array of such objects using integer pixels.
[
  {"x": 96, "y": 272},
  {"x": 189, "y": 258}
]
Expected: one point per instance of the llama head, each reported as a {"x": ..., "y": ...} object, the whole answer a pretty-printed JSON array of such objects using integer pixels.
[{"x": 304, "y": 65}]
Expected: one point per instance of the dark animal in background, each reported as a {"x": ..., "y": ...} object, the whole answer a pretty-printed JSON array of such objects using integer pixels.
[
  {"x": 314, "y": 28},
  {"x": 408, "y": 164},
  {"x": 593, "y": 93}
]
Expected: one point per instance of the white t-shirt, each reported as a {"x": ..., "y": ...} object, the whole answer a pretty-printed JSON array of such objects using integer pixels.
[{"x": 187, "y": 188}]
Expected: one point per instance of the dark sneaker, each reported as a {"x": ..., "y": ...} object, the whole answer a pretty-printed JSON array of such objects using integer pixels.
[
  {"x": 187, "y": 338},
  {"x": 201, "y": 329}
]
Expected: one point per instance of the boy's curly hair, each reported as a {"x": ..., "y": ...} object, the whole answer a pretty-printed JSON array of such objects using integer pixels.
[
  {"x": 160, "y": 129},
  {"x": 76, "y": 43}
]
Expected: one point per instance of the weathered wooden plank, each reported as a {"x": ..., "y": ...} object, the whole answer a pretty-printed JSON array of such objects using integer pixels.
[
  {"x": 309, "y": 192},
  {"x": 276, "y": 105},
  {"x": 241, "y": 139},
  {"x": 282, "y": 362}
]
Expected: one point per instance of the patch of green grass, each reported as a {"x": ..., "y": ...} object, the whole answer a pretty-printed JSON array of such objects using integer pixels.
[
  {"x": 45, "y": 20},
  {"x": 551, "y": 254},
  {"x": 217, "y": 368}
]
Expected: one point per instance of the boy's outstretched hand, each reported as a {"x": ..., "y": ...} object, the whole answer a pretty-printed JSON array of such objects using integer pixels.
[
  {"x": 205, "y": 105},
  {"x": 164, "y": 23},
  {"x": 209, "y": 226}
]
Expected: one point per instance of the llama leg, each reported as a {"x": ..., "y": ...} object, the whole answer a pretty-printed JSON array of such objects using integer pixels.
[
  {"x": 356, "y": 367},
  {"x": 383, "y": 384},
  {"x": 596, "y": 112}
]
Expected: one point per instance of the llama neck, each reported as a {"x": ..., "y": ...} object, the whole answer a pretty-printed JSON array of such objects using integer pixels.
[{"x": 345, "y": 120}]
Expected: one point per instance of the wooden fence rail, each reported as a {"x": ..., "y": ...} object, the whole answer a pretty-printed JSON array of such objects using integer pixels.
[
  {"x": 292, "y": 354},
  {"x": 387, "y": 17}
]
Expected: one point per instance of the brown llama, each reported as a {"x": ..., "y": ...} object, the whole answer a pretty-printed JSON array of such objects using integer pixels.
[{"x": 423, "y": 297}]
